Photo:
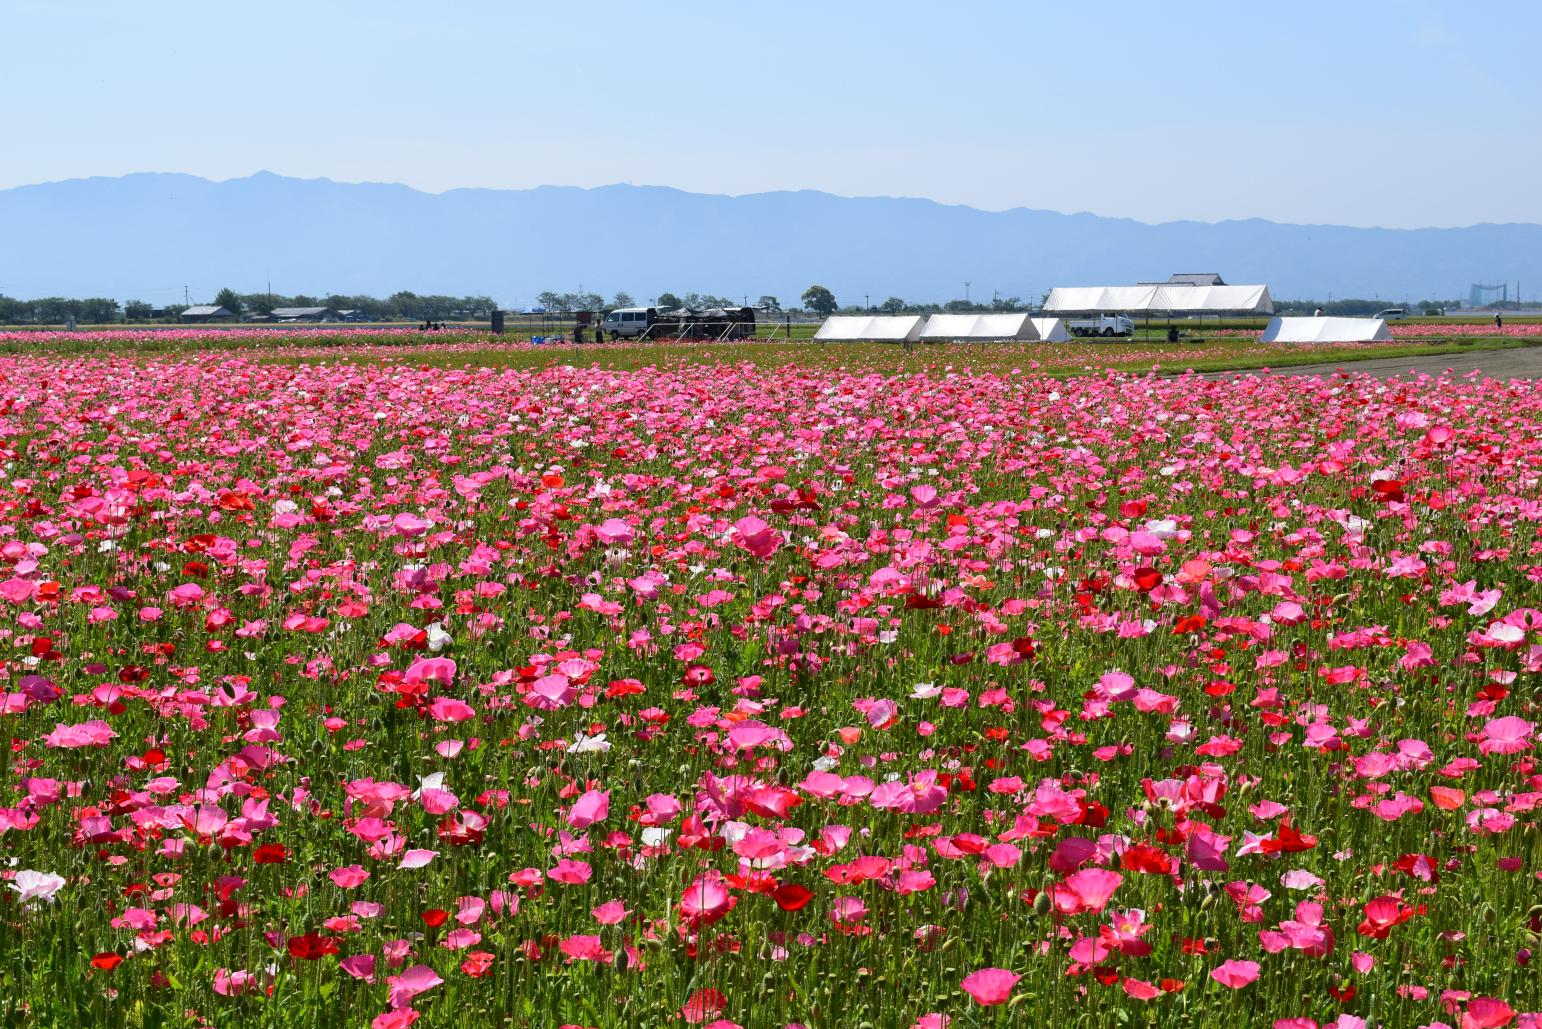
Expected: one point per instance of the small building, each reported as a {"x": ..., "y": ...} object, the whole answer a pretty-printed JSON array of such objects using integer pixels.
[
  {"x": 1189, "y": 279},
  {"x": 304, "y": 314},
  {"x": 352, "y": 314},
  {"x": 207, "y": 313}
]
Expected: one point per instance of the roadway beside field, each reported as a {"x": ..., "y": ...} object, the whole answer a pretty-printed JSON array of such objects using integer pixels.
[{"x": 1517, "y": 363}]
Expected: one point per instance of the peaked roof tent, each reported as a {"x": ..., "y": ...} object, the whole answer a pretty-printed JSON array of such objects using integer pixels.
[
  {"x": 882, "y": 328},
  {"x": 1160, "y": 299},
  {"x": 979, "y": 327},
  {"x": 1051, "y": 330},
  {"x": 1325, "y": 330}
]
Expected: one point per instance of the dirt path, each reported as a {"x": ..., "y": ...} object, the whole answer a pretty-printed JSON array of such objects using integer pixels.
[{"x": 1520, "y": 363}]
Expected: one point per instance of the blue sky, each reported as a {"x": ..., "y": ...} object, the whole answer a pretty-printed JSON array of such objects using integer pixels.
[{"x": 1362, "y": 112}]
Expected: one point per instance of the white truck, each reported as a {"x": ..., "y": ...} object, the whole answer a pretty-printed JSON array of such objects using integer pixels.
[{"x": 1102, "y": 325}]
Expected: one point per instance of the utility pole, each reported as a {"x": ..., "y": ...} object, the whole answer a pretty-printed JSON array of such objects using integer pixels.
[
  {"x": 185, "y": 301},
  {"x": 966, "y": 291}
]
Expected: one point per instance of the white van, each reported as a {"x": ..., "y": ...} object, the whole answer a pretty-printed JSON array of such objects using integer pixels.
[{"x": 627, "y": 321}]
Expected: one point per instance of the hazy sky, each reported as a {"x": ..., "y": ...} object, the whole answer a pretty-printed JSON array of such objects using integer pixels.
[{"x": 1362, "y": 112}]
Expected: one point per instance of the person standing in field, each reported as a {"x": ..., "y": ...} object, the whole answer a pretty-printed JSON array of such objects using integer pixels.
[
  {"x": 1499, "y": 320},
  {"x": 1317, "y": 313}
]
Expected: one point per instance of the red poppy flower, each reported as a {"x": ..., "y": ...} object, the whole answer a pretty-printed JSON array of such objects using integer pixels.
[
  {"x": 477, "y": 964},
  {"x": 107, "y": 961},
  {"x": 792, "y": 896},
  {"x": 434, "y": 917},
  {"x": 270, "y": 854},
  {"x": 311, "y": 946}
]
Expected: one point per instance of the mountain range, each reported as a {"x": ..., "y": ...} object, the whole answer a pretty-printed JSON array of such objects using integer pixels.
[{"x": 146, "y": 235}]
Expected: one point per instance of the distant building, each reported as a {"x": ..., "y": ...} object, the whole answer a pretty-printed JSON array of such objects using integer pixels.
[
  {"x": 352, "y": 315},
  {"x": 207, "y": 313},
  {"x": 1195, "y": 279},
  {"x": 304, "y": 314}
]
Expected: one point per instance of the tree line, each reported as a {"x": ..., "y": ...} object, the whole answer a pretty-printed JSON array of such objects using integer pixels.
[
  {"x": 403, "y": 305},
  {"x": 566, "y": 303}
]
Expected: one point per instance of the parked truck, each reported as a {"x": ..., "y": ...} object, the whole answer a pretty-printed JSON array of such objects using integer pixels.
[{"x": 1102, "y": 325}]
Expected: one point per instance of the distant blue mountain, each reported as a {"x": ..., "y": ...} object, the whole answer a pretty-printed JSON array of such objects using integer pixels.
[{"x": 145, "y": 235}]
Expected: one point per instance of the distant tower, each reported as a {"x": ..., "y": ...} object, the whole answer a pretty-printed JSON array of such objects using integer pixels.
[{"x": 1481, "y": 295}]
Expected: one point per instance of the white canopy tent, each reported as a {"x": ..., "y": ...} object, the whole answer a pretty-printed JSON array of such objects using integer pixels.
[
  {"x": 979, "y": 327},
  {"x": 1051, "y": 330},
  {"x": 1160, "y": 299},
  {"x": 1325, "y": 330},
  {"x": 880, "y": 328}
]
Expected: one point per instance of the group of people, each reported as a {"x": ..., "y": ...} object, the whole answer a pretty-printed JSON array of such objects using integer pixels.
[{"x": 431, "y": 326}]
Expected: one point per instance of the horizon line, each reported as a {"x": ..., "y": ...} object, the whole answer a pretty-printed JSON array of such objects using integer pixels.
[{"x": 266, "y": 173}]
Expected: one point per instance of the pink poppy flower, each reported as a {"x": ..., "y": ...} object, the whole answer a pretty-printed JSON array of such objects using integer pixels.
[
  {"x": 593, "y": 806},
  {"x": 1235, "y": 974},
  {"x": 1508, "y": 735},
  {"x": 990, "y": 986},
  {"x": 754, "y": 535},
  {"x": 409, "y": 983}
]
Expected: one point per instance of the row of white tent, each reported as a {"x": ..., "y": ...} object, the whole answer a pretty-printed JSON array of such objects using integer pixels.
[
  {"x": 1161, "y": 298},
  {"x": 912, "y": 328}
]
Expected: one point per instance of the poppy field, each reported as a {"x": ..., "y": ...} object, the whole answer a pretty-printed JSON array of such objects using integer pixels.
[{"x": 376, "y": 693}]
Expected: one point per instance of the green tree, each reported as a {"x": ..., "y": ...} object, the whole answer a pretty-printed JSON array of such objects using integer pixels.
[
  {"x": 98, "y": 310},
  {"x": 137, "y": 311},
  {"x": 55, "y": 310},
  {"x": 769, "y": 303},
  {"x": 668, "y": 300},
  {"x": 229, "y": 299},
  {"x": 819, "y": 300},
  {"x": 894, "y": 305},
  {"x": 622, "y": 299}
]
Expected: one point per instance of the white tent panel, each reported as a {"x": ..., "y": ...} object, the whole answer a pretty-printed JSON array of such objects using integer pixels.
[
  {"x": 1162, "y": 299},
  {"x": 843, "y": 327},
  {"x": 1325, "y": 330},
  {"x": 979, "y": 327},
  {"x": 884, "y": 329},
  {"x": 1051, "y": 330},
  {"x": 1075, "y": 298}
]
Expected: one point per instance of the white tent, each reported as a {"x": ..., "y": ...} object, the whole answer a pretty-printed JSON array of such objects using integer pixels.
[
  {"x": 881, "y": 328},
  {"x": 979, "y": 327},
  {"x": 1325, "y": 330},
  {"x": 1160, "y": 299},
  {"x": 1051, "y": 330}
]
